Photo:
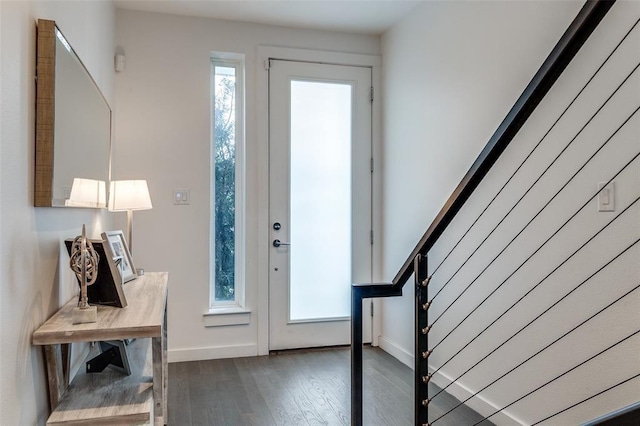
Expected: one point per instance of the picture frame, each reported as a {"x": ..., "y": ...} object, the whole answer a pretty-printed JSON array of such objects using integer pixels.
[
  {"x": 119, "y": 253},
  {"x": 119, "y": 362},
  {"x": 107, "y": 290}
]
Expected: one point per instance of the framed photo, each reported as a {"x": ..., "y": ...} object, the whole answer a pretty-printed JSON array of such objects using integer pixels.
[
  {"x": 120, "y": 254},
  {"x": 107, "y": 290},
  {"x": 116, "y": 355}
]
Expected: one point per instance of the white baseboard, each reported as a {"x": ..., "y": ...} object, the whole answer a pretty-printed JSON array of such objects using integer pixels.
[
  {"x": 397, "y": 351},
  {"x": 477, "y": 403},
  {"x": 215, "y": 352}
]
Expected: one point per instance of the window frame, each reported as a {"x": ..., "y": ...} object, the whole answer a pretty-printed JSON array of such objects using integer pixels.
[{"x": 236, "y": 61}]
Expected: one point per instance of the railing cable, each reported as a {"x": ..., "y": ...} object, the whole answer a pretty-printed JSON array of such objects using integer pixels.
[
  {"x": 532, "y": 254},
  {"x": 545, "y": 347},
  {"x": 588, "y": 399},
  {"x": 533, "y": 184},
  {"x": 530, "y": 290},
  {"x": 572, "y": 40},
  {"x": 534, "y": 148},
  {"x": 536, "y": 215},
  {"x": 559, "y": 376},
  {"x": 539, "y": 316}
]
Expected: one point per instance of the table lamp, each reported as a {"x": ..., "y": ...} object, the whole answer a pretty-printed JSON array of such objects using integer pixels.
[
  {"x": 87, "y": 193},
  {"x": 129, "y": 195}
]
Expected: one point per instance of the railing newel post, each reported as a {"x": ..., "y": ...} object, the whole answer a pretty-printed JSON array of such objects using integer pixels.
[
  {"x": 356, "y": 356},
  {"x": 422, "y": 350}
]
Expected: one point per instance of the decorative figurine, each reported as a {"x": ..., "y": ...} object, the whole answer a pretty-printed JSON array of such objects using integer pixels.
[{"x": 84, "y": 263}]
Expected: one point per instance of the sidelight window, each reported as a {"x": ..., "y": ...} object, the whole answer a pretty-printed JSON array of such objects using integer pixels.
[{"x": 227, "y": 173}]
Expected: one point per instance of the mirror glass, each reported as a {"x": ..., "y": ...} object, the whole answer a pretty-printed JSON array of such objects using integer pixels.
[{"x": 78, "y": 143}]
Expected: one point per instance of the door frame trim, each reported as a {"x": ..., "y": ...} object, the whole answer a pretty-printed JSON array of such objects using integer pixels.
[{"x": 263, "y": 54}]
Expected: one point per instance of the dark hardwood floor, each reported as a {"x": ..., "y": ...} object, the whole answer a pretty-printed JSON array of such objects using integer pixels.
[{"x": 309, "y": 387}]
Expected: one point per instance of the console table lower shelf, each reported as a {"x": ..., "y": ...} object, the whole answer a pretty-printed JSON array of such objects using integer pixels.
[{"x": 110, "y": 397}]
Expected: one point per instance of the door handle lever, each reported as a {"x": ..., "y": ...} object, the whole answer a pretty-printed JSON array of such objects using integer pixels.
[{"x": 278, "y": 243}]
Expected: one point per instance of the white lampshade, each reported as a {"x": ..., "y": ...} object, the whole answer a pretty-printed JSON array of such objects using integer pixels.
[
  {"x": 87, "y": 193},
  {"x": 129, "y": 195}
]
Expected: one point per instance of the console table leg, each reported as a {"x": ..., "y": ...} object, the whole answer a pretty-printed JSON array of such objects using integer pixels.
[
  {"x": 57, "y": 363},
  {"x": 165, "y": 370},
  {"x": 159, "y": 380}
]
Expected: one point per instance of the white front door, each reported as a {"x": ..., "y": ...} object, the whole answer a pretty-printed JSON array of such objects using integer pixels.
[{"x": 320, "y": 201}]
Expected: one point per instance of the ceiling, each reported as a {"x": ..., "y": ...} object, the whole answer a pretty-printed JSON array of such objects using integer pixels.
[{"x": 354, "y": 16}]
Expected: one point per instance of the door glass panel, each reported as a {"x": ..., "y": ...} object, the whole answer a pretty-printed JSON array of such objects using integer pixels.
[{"x": 320, "y": 167}]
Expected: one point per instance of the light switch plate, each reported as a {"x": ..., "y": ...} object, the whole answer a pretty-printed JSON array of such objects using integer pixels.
[
  {"x": 606, "y": 197},
  {"x": 181, "y": 196}
]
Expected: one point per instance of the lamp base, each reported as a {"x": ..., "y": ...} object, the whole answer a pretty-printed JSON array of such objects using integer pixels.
[{"x": 84, "y": 315}]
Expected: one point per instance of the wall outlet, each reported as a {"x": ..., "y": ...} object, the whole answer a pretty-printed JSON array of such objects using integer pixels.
[
  {"x": 606, "y": 197},
  {"x": 181, "y": 196}
]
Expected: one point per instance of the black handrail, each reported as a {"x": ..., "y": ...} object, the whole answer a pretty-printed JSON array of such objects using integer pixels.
[
  {"x": 554, "y": 65},
  {"x": 570, "y": 43}
]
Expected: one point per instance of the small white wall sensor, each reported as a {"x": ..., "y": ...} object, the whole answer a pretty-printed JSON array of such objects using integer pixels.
[{"x": 119, "y": 63}]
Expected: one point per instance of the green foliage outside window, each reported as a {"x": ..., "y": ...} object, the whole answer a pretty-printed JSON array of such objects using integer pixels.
[{"x": 225, "y": 196}]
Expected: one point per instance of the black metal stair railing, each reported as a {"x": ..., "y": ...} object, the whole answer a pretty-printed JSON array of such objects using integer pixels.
[{"x": 416, "y": 264}]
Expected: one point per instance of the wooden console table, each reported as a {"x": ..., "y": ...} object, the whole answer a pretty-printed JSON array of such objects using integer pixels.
[{"x": 111, "y": 397}]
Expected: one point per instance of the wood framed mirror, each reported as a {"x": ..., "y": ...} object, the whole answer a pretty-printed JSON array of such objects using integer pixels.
[{"x": 73, "y": 122}]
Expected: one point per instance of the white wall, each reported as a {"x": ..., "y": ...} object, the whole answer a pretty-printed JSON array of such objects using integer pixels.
[
  {"x": 441, "y": 107},
  {"x": 33, "y": 283},
  {"x": 451, "y": 72},
  {"x": 163, "y": 135}
]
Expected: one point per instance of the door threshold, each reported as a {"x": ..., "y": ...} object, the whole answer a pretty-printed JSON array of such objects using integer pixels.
[{"x": 311, "y": 349}]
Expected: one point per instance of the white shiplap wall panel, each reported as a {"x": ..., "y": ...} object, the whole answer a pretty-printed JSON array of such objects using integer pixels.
[{"x": 593, "y": 141}]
